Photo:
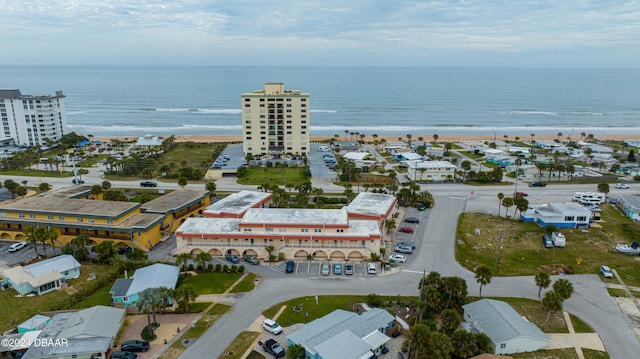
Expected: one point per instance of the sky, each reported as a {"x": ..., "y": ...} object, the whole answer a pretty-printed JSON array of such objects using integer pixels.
[{"x": 469, "y": 33}]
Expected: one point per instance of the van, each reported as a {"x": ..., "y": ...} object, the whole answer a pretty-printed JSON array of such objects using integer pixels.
[{"x": 558, "y": 239}]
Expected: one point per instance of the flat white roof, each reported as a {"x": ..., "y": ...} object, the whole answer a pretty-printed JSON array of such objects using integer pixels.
[
  {"x": 209, "y": 225},
  {"x": 368, "y": 203},
  {"x": 429, "y": 164},
  {"x": 237, "y": 203},
  {"x": 295, "y": 216},
  {"x": 356, "y": 155}
]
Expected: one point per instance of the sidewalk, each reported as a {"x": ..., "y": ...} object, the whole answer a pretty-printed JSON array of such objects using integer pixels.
[{"x": 575, "y": 340}]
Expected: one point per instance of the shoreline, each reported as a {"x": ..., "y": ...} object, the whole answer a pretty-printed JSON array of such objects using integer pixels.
[{"x": 227, "y": 138}]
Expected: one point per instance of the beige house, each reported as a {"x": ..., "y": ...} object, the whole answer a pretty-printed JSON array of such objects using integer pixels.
[
  {"x": 275, "y": 121},
  {"x": 431, "y": 171}
]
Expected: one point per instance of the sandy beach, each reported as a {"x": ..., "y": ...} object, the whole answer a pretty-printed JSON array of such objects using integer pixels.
[{"x": 527, "y": 138}]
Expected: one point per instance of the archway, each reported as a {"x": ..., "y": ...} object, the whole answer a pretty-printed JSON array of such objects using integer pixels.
[
  {"x": 337, "y": 255},
  {"x": 250, "y": 252},
  {"x": 320, "y": 254},
  {"x": 301, "y": 255},
  {"x": 355, "y": 255},
  {"x": 20, "y": 237},
  {"x": 215, "y": 252},
  {"x": 6, "y": 236},
  {"x": 233, "y": 252},
  {"x": 195, "y": 251}
]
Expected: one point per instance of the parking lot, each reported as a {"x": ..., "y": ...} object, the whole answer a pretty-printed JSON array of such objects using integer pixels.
[{"x": 8, "y": 259}]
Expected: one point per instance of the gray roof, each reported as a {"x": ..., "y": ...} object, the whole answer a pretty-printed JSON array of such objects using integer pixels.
[
  {"x": 87, "y": 331},
  {"x": 34, "y": 322},
  {"x": 344, "y": 345},
  {"x": 324, "y": 328},
  {"x": 121, "y": 287},
  {"x": 174, "y": 201},
  {"x": 372, "y": 204},
  {"x": 500, "y": 321},
  {"x": 631, "y": 201},
  {"x": 149, "y": 140},
  {"x": 61, "y": 263},
  {"x": 10, "y": 94},
  {"x": 154, "y": 276},
  {"x": 261, "y": 216}
]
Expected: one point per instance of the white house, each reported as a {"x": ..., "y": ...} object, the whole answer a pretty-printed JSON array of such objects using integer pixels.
[
  {"x": 561, "y": 215},
  {"x": 126, "y": 291},
  {"x": 430, "y": 170},
  {"x": 44, "y": 276},
  {"x": 148, "y": 141},
  {"x": 508, "y": 331}
]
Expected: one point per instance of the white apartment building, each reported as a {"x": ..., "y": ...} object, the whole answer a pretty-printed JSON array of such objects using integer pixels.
[
  {"x": 275, "y": 121},
  {"x": 32, "y": 119}
]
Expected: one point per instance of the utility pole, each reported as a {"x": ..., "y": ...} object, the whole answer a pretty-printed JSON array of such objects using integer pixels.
[{"x": 497, "y": 262}]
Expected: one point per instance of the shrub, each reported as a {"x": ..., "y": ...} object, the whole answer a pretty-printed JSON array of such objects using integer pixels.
[
  {"x": 280, "y": 256},
  {"x": 199, "y": 268},
  {"x": 374, "y": 300},
  {"x": 210, "y": 267},
  {"x": 234, "y": 268},
  {"x": 190, "y": 267},
  {"x": 148, "y": 334},
  {"x": 225, "y": 268},
  {"x": 241, "y": 269},
  {"x": 218, "y": 267}
]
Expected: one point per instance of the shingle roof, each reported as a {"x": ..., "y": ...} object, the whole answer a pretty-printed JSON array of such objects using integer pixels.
[
  {"x": 98, "y": 321},
  {"x": 59, "y": 264},
  {"x": 121, "y": 287},
  {"x": 500, "y": 321}
]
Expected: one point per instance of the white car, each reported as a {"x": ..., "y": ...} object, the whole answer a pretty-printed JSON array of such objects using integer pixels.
[
  {"x": 371, "y": 268},
  {"x": 397, "y": 258},
  {"x": 17, "y": 246},
  {"x": 622, "y": 186},
  {"x": 272, "y": 326},
  {"x": 606, "y": 272}
]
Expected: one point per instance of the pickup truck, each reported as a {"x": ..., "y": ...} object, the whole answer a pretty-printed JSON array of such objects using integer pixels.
[{"x": 272, "y": 347}]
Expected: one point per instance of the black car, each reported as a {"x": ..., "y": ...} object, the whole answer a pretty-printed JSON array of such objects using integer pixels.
[
  {"x": 135, "y": 346},
  {"x": 148, "y": 184},
  {"x": 291, "y": 267},
  {"x": 123, "y": 355},
  {"x": 77, "y": 181},
  {"x": 537, "y": 184},
  {"x": 412, "y": 220}
]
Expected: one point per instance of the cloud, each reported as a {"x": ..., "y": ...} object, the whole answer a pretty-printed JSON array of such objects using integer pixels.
[{"x": 419, "y": 28}]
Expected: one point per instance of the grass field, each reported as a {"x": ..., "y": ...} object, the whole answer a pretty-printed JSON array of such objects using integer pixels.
[
  {"x": 37, "y": 173},
  {"x": 212, "y": 282},
  {"x": 579, "y": 326},
  {"x": 281, "y": 176},
  {"x": 535, "y": 313},
  {"x": 16, "y": 310},
  {"x": 240, "y": 344},
  {"x": 326, "y": 305},
  {"x": 192, "y": 154},
  {"x": 522, "y": 250},
  {"x": 247, "y": 284}
]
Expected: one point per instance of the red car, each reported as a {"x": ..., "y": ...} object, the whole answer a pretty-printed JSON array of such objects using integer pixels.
[
  {"x": 406, "y": 229},
  {"x": 521, "y": 194}
]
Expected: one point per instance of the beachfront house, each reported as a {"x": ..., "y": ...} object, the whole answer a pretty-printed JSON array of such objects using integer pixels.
[
  {"x": 148, "y": 142},
  {"x": 561, "y": 215},
  {"x": 44, "y": 276},
  {"x": 509, "y": 332},
  {"x": 430, "y": 171}
]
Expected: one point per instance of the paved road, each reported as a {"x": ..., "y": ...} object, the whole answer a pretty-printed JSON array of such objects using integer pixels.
[{"x": 590, "y": 300}]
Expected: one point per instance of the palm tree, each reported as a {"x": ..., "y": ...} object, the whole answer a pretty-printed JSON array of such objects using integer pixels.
[
  {"x": 44, "y": 187},
  {"x": 390, "y": 224},
  {"x": 500, "y": 197},
  {"x": 507, "y": 202},
  {"x": 186, "y": 294},
  {"x": 564, "y": 288},
  {"x": 603, "y": 188},
  {"x": 145, "y": 304},
  {"x": 552, "y": 302},
  {"x": 182, "y": 260},
  {"x": 435, "y": 137},
  {"x": 532, "y": 136},
  {"x": 202, "y": 258},
  {"x": 456, "y": 290},
  {"x": 296, "y": 351},
  {"x": 483, "y": 275},
  {"x": 542, "y": 281},
  {"x": 32, "y": 236},
  {"x": 96, "y": 191},
  {"x": 52, "y": 236}
]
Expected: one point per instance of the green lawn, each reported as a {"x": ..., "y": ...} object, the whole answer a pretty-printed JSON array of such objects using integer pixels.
[
  {"x": 326, "y": 305},
  {"x": 240, "y": 344},
  {"x": 212, "y": 282},
  {"x": 16, "y": 310},
  {"x": 281, "y": 176},
  {"x": 246, "y": 285},
  {"x": 568, "y": 353},
  {"x": 579, "y": 326},
  {"x": 522, "y": 250},
  {"x": 193, "y": 153},
  {"x": 100, "y": 297},
  {"x": 37, "y": 173},
  {"x": 535, "y": 313}
]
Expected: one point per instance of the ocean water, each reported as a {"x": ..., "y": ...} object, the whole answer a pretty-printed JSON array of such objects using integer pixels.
[{"x": 391, "y": 101}]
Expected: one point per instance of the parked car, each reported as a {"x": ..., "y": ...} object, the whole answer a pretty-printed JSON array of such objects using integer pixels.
[
  {"x": 134, "y": 346},
  {"x": 421, "y": 207},
  {"x": 325, "y": 269},
  {"x": 251, "y": 259},
  {"x": 397, "y": 258},
  {"x": 403, "y": 249},
  {"x": 337, "y": 269},
  {"x": 123, "y": 355},
  {"x": 405, "y": 229},
  {"x": 272, "y": 326},
  {"x": 17, "y": 246},
  {"x": 412, "y": 220},
  {"x": 233, "y": 259},
  {"x": 348, "y": 269},
  {"x": 547, "y": 242},
  {"x": 290, "y": 267},
  {"x": 148, "y": 184},
  {"x": 606, "y": 272},
  {"x": 622, "y": 186},
  {"x": 594, "y": 209},
  {"x": 371, "y": 268},
  {"x": 537, "y": 184},
  {"x": 77, "y": 181},
  {"x": 272, "y": 347},
  {"x": 521, "y": 194},
  {"x": 408, "y": 244}
]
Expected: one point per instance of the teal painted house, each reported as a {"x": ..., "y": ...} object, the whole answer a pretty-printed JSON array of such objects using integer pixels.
[
  {"x": 125, "y": 291},
  {"x": 44, "y": 276}
]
